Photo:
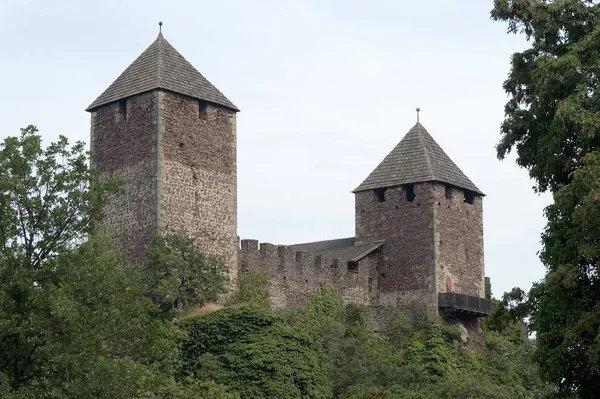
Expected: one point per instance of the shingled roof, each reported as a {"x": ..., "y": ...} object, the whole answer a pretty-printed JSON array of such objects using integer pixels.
[
  {"x": 345, "y": 248},
  {"x": 160, "y": 66},
  {"x": 417, "y": 158}
]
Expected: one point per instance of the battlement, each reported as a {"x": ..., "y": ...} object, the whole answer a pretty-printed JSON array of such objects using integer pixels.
[
  {"x": 295, "y": 275},
  {"x": 285, "y": 257}
]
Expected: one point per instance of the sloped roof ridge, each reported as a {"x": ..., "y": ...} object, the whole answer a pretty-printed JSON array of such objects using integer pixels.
[
  {"x": 417, "y": 158},
  {"x": 161, "y": 66}
]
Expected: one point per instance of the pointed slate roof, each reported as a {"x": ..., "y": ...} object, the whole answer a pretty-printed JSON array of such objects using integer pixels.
[
  {"x": 417, "y": 158},
  {"x": 160, "y": 66}
]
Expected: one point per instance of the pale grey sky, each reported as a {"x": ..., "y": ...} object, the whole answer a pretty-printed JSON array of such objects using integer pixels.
[{"x": 326, "y": 88}]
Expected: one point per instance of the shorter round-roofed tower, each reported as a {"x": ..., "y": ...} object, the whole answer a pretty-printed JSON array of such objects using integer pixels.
[
  {"x": 170, "y": 135},
  {"x": 429, "y": 215}
]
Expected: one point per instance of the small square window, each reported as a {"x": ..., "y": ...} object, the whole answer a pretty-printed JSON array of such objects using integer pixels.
[
  {"x": 448, "y": 191},
  {"x": 469, "y": 197},
  {"x": 122, "y": 111},
  {"x": 410, "y": 192},
  {"x": 380, "y": 194},
  {"x": 202, "y": 109}
]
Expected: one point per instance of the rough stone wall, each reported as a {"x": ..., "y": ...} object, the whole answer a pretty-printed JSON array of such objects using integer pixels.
[
  {"x": 197, "y": 182},
  {"x": 406, "y": 268},
  {"x": 296, "y": 275},
  {"x": 125, "y": 147},
  {"x": 459, "y": 227}
]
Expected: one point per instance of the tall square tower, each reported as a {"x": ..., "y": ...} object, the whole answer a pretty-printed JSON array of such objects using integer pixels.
[{"x": 170, "y": 135}]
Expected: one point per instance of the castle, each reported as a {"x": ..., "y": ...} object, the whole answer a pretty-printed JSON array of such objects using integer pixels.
[{"x": 170, "y": 135}]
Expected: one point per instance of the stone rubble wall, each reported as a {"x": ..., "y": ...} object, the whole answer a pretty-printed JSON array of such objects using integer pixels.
[
  {"x": 296, "y": 275},
  {"x": 198, "y": 186},
  {"x": 407, "y": 261},
  {"x": 459, "y": 227},
  {"x": 125, "y": 147}
]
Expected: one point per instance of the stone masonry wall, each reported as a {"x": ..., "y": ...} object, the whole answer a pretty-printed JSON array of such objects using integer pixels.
[
  {"x": 125, "y": 146},
  {"x": 296, "y": 275},
  {"x": 460, "y": 242},
  {"x": 197, "y": 182},
  {"x": 406, "y": 269}
]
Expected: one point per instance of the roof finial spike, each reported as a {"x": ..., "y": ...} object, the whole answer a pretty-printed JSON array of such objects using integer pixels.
[
  {"x": 160, "y": 27},
  {"x": 418, "y": 110}
]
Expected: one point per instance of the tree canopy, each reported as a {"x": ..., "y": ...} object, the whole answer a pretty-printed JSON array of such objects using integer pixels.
[
  {"x": 74, "y": 320},
  {"x": 180, "y": 276},
  {"x": 553, "y": 123}
]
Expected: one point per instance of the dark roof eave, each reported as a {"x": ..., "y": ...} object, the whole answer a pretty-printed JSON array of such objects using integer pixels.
[
  {"x": 93, "y": 106},
  {"x": 373, "y": 246},
  {"x": 368, "y": 188}
]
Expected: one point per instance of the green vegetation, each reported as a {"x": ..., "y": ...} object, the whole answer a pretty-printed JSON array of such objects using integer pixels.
[
  {"x": 326, "y": 350},
  {"x": 252, "y": 289},
  {"x": 252, "y": 352},
  {"x": 78, "y": 321},
  {"x": 180, "y": 276},
  {"x": 74, "y": 321},
  {"x": 553, "y": 124}
]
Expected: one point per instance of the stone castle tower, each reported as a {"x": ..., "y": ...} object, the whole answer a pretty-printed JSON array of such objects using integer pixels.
[
  {"x": 429, "y": 214},
  {"x": 170, "y": 135}
]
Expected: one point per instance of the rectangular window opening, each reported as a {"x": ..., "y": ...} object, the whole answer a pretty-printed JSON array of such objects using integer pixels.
[
  {"x": 202, "y": 109},
  {"x": 380, "y": 194},
  {"x": 353, "y": 266},
  {"x": 123, "y": 109},
  {"x": 448, "y": 191},
  {"x": 410, "y": 192},
  {"x": 469, "y": 197}
]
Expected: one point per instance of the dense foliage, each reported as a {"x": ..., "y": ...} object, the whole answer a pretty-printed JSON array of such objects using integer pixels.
[
  {"x": 74, "y": 321},
  {"x": 251, "y": 351},
  {"x": 252, "y": 289},
  {"x": 77, "y": 320},
  {"x": 326, "y": 350},
  {"x": 180, "y": 276},
  {"x": 414, "y": 359},
  {"x": 553, "y": 123}
]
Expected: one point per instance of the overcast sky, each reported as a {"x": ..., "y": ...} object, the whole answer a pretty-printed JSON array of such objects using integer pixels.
[{"x": 326, "y": 87}]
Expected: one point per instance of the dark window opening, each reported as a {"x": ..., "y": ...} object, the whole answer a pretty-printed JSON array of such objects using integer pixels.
[
  {"x": 370, "y": 284},
  {"x": 469, "y": 197},
  {"x": 410, "y": 192},
  {"x": 380, "y": 194},
  {"x": 448, "y": 191},
  {"x": 122, "y": 109},
  {"x": 202, "y": 109},
  {"x": 353, "y": 266}
]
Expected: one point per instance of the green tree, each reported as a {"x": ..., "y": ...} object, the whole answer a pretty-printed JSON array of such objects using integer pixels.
[
  {"x": 180, "y": 276},
  {"x": 74, "y": 321},
  {"x": 566, "y": 304},
  {"x": 553, "y": 122},
  {"x": 252, "y": 289},
  {"x": 552, "y": 115},
  {"x": 251, "y": 351}
]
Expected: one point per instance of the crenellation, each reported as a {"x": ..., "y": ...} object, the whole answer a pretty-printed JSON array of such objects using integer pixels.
[
  {"x": 304, "y": 257},
  {"x": 267, "y": 249},
  {"x": 249, "y": 245},
  {"x": 323, "y": 262}
]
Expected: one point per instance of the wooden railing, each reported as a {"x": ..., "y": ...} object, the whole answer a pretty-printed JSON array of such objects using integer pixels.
[{"x": 474, "y": 305}]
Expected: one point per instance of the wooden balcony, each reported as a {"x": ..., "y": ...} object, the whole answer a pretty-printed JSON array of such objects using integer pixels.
[{"x": 466, "y": 304}]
